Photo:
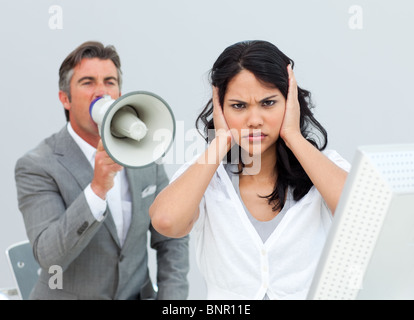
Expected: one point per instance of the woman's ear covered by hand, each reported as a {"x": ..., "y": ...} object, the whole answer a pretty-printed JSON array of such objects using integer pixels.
[
  {"x": 222, "y": 131},
  {"x": 291, "y": 120}
]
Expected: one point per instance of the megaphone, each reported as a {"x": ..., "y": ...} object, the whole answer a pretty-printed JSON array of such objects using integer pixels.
[{"x": 136, "y": 129}]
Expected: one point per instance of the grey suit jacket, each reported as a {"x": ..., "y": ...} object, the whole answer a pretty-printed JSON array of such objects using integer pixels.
[{"x": 50, "y": 182}]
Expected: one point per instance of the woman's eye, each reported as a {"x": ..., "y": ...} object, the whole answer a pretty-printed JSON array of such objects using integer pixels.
[
  {"x": 269, "y": 103},
  {"x": 238, "y": 106}
]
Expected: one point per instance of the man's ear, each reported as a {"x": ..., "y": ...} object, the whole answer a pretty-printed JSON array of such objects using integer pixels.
[{"x": 64, "y": 99}]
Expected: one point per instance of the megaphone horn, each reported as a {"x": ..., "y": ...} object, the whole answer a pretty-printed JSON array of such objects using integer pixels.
[{"x": 129, "y": 127}]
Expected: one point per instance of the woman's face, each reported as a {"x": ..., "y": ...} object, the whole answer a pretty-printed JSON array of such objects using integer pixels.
[{"x": 255, "y": 111}]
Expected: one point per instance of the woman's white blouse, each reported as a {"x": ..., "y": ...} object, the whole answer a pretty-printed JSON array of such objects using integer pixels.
[{"x": 232, "y": 257}]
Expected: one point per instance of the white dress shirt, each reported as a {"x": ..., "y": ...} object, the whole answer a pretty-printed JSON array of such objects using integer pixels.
[
  {"x": 234, "y": 260},
  {"x": 118, "y": 198}
]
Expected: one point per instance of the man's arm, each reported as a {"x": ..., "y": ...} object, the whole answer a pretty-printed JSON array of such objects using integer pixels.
[{"x": 53, "y": 227}]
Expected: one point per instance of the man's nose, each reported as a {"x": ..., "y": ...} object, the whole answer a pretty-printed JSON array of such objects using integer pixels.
[{"x": 100, "y": 90}]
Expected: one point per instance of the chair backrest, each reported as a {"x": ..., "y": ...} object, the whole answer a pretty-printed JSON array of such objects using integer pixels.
[{"x": 24, "y": 267}]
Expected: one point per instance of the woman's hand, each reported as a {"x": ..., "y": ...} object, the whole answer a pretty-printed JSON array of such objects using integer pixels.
[
  {"x": 291, "y": 121},
  {"x": 188, "y": 189},
  {"x": 223, "y": 133},
  {"x": 326, "y": 176}
]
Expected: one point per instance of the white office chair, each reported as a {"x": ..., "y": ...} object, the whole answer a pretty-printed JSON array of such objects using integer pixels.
[
  {"x": 24, "y": 267},
  {"x": 9, "y": 294}
]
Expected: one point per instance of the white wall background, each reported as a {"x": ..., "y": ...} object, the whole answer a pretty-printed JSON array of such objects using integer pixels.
[{"x": 359, "y": 66}]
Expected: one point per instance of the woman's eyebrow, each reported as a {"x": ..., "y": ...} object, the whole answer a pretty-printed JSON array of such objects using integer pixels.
[
  {"x": 264, "y": 99},
  {"x": 238, "y": 101},
  {"x": 268, "y": 98}
]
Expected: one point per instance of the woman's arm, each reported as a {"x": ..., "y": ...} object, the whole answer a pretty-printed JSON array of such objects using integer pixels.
[
  {"x": 175, "y": 209},
  {"x": 327, "y": 177}
]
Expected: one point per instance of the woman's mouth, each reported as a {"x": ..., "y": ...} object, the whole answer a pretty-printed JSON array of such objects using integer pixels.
[{"x": 256, "y": 136}]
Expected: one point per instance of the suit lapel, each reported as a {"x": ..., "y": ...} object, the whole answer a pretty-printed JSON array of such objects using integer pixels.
[
  {"x": 73, "y": 159},
  {"x": 135, "y": 191},
  {"x": 139, "y": 180}
]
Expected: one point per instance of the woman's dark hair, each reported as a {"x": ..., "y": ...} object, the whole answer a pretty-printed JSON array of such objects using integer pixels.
[{"x": 269, "y": 65}]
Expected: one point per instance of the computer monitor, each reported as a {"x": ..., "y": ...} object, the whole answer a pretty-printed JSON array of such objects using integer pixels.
[{"x": 369, "y": 251}]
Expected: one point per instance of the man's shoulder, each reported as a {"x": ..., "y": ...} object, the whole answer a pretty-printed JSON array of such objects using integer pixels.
[{"x": 43, "y": 151}]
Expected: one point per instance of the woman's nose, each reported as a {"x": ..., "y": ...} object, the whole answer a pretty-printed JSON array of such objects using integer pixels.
[{"x": 255, "y": 118}]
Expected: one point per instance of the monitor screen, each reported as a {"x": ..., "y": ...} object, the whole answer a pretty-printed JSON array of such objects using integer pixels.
[{"x": 369, "y": 252}]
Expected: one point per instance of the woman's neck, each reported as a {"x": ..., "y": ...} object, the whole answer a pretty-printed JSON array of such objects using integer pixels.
[{"x": 261, "y": 168}]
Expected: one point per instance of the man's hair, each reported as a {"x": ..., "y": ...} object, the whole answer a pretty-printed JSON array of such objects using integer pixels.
[{"x": 89, "y": 50}]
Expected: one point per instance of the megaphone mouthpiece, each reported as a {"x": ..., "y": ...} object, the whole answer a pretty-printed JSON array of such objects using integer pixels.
[{"x": 125, "y": 123}]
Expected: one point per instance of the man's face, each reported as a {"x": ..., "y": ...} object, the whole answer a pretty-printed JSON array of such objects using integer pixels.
[{"x": 92, "y": 78}]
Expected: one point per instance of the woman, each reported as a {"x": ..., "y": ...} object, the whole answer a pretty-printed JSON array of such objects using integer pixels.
[{"x": 260, "y": 216}]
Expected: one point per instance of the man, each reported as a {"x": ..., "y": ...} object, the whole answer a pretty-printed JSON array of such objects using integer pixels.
[{"x": 85, "y": 213}]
